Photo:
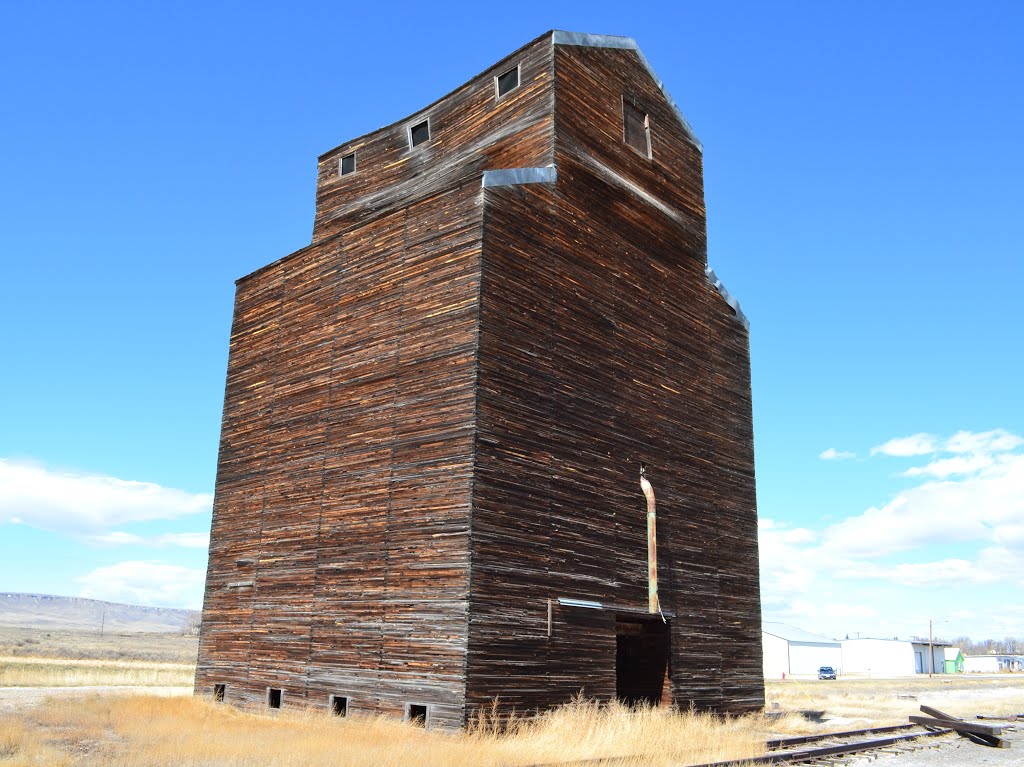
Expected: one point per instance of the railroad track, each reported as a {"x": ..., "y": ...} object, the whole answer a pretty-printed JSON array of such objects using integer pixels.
[{"x": 811, "y": 749}]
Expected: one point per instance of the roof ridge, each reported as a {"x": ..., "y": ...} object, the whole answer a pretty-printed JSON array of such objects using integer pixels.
[{"x": 585, "y": 39}]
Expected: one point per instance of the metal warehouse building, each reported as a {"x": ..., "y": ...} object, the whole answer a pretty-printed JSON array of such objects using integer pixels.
[{"x": 792, "y": 651}]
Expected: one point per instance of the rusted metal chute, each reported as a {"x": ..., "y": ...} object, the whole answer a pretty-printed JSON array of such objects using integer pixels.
[{"x": 653, "y": 605}]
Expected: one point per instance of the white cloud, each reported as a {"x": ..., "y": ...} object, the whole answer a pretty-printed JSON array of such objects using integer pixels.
[
  {"x": 968, "y": 504},
  {"x": 973, "y": 509},
  {"x": 995, "y": 441},
  {"x": 145, "y": 583},
  {"x": 831, "y": 454},
  {"x": 995, "y": 564},
  {"x": 947, "y": 467},
  {"x": 786, "y": 575},
  {"x": 837, "y": 610},
  {"x": 37, "y": 496},
  {"x": 903, "y": 447},
  {"x": 122, "y": 538}
]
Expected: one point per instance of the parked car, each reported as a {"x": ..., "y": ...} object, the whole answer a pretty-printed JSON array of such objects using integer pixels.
[{"x": 826, "y": 672}]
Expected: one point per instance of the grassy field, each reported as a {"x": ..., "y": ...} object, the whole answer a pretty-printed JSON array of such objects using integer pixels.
[
  {"x": 50, "y": 658},
  {"x": 52, "y": 672},
  {"x": 150, "y": 731},
  {"x": 47, "y": 643}
]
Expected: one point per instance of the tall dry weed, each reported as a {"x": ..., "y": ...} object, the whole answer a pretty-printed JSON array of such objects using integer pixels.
[
  {"x": 147, "y": 731},
  {"x": 23, "y": 746}
]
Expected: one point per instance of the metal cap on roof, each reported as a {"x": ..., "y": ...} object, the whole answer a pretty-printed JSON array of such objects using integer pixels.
[{"x": 794, "y": 634}]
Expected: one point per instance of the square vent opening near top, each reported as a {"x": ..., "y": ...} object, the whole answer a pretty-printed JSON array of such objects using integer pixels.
[
  {"x": 507, "y": 81},
  {"x": 419, "y": 133}
]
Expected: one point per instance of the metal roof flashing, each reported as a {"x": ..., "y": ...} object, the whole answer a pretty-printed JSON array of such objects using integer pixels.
[
  {"x": 514, "y": 176},
  {"x": 561, "y": 37},
  {"x": 729, "y": 297}
]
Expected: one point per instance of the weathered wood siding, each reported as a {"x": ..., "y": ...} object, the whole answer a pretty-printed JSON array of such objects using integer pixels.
[
  {"x": 603, "y": 347},
  {"x": 339, "y": 561},
  {"x": 470, "y": 131},
  {"x": 436, "y": 413}
]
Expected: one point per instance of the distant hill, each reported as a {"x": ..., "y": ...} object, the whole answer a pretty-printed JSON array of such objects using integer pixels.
[{"x": 74, "y": 613}]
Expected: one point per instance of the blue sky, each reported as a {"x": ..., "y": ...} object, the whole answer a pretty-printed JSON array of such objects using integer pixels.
[{"x": 863, "y": 170}]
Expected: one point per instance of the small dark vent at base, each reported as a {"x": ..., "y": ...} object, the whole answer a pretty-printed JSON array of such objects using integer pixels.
[
  {"x": 273, "y": 698},
  {"x": 416, "y": 715}
]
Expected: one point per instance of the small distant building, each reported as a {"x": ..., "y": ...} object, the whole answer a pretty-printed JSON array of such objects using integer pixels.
[
  {"x": 938, "y": 653},
  {"x": 954, "y": 660},
  {"x": 993, "y": 664},
  {"x": 794, "y": 652}
]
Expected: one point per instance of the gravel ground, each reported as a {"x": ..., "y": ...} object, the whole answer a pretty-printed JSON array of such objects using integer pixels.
[
  {"x": 21, "y": 698},
  {"x": 943, "y": 751},
  {"x": 955, "y": 750}
]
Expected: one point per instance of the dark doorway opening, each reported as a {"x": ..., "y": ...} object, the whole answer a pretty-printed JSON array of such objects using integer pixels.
[{"x": 641, "y": 661}]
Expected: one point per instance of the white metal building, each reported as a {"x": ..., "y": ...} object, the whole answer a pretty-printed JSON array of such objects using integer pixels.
[
  {"x": 879, "y": 657},
  {"x": 893, "y": 657},
  {"x": 795, "y": 652},
  {"x": 993, "y": 664},
  {"x": 938, "y": 664}
]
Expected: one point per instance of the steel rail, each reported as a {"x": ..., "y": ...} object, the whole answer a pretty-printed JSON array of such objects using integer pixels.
[
  {"x": 775, "y": 745},
  {"x": 812, "y": 754}
]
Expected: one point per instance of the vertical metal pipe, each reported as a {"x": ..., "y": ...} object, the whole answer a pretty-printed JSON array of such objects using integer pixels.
[{"x": 652, "y": 544}]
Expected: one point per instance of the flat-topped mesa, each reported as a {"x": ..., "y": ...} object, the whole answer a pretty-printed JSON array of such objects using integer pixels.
[{"x": 427, "y": 495}]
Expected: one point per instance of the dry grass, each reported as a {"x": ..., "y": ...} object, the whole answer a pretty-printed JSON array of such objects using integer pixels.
[
  {"x": 21, "y": 745},
  {"x": 51, "y": 643},
  {"x": 149, "y": 731},
  {"x": 60, "y": 672},
  {"x": 159, "y": 732}
]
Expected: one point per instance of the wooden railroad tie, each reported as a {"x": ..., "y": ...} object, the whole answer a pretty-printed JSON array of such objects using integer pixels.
[{"x": 983, "y": 734}]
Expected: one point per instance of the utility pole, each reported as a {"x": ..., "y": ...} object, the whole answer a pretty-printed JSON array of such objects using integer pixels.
[
  {"x": 103, "y": 620},
  {"x": 931, "y": 652}
]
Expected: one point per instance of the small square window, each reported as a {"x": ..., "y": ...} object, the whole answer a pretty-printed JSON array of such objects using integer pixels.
[
  {"x": 636, "y": 128},
  {"x": 347, "y": 164},
  {"x": 218, "y": 693},
  {"x": 339, "y": 705},
  {"x": 274, "y": 696},
  {"x": 416, "y": 714},
  {"x": 507, "y": 81},
  {"x": 419, "y": 133}
]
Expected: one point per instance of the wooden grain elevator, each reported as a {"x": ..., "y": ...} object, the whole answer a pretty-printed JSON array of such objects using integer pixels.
[{"x": 436, "y": 413}]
